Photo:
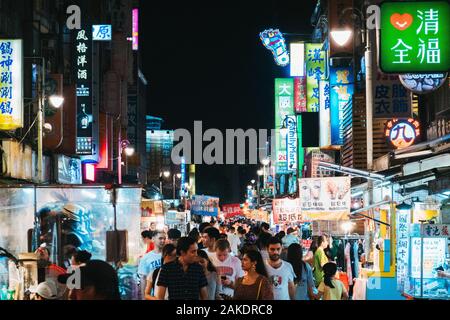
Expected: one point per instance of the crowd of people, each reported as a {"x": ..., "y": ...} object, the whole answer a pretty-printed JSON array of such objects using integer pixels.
[{"x": 235, "y": 261}]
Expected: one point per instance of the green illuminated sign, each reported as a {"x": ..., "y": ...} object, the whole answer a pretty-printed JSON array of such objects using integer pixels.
[
  {"x": 284, "y": 106},
  {"x": 415, "y": 37}
]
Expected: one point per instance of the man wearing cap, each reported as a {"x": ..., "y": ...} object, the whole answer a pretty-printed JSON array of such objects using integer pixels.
[
  {"x": 45, "y": 291},
  {"x": 97, "y": 280}
]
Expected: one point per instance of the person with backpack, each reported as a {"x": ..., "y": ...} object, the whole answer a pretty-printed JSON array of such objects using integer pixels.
[{"x": 169, "y": 254}]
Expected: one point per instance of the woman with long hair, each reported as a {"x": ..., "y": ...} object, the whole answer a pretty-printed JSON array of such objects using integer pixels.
[
  {"x": 214, "y": 284},
  {"x": 320, "y": 259},
  {"x": 304, "y": 280},
  {"x": 255, "y": 284},
  {"x": 169, "y": 254},
  {"x": 331, "y": 288}
]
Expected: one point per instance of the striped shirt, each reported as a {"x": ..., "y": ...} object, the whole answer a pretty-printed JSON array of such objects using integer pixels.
[{"x": 182, "y": 285}]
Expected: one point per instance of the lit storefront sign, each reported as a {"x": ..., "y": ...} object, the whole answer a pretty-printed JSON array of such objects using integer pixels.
[
  {"x": 341, "y": 93},
  {"x": 286, "y": 211},
  {"x": 423, "y": 83},
  {"x": 11, "y": 85},
  {"x": 102, "y": 32},
  {"x": 315, "y": 71},
  {"x": 300, "y": 94},
  {"x": 402, "y": 133},
  {"x": 291, "y": 143},
  {"x": 390, "y": 98},
  {"x": 274, "y": 41},
  {"x": 284, "y": 106},
  {"x": 415, "y": 37},
  {"x": 135, "y": 37},
  {"x": 403, "y": 225},
  {"x": 83, "y": 79},
  {"x": 231, "y": 210},
  {"x": 301, "y": 152},
  {"x": 205, "y": 206},
  {"x": 297, "y": 52},
  {"x": 324, "y": 114}
]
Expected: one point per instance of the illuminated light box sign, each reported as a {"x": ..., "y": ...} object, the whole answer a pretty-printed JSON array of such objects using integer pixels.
[
  {"x": 205, "y": 206},
  {"x": 83, "y": 79},
  {"x": 297, "y": 51},
  {"x": 274, "y": 41},
  {"x": 284, "y": 106},
  {"x": 291, "y": 143},
  {"x": 300, "y": 94},
  {"x": 135, "y": 31},
  {"x": 324, "y": 114},
  {"x": 415, "y": 37},
  {"x": 315, "y": 71},
  {"x": 341, "y": 93},
  {"x": 11, "y": 85},
  {"x": 390, "y": 97},
  {"x": 423, "y": 83},
  {"x": 102, "y": 32},
  {"x": 402, "y": 133}
]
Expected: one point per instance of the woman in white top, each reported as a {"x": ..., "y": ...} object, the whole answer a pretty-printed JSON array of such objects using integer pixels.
[{"x": 169, "y": 254}]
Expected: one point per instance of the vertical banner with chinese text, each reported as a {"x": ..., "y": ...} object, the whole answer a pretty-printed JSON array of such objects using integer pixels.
[
  {"x": 315, "y": 71},
  {"x": 284, "y": 106}
]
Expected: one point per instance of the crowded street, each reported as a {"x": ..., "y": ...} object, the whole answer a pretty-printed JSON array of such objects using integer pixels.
[{"x": 238, "y": 153}]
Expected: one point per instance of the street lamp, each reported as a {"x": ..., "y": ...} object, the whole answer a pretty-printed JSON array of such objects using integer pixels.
[
  {"x": 56, "y": 101},
  {"x": 341, "y": 36}
]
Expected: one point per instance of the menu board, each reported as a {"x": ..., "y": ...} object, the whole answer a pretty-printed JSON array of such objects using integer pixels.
[{"x": 434, "y": 250}]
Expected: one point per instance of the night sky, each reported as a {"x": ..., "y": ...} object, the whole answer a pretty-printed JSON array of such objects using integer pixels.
[{"x": 204, "y": 61}]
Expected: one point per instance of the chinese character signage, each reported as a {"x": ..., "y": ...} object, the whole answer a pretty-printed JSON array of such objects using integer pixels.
[
  {"x": 300, "y": 94},
  {"x": 324, "y": 114},
  {"x": 434, "y": 250},
  {"x": 284, "y": 106},
  {"x": 402, "y": 133},
  {"x": 315, "y": 71},
  {"x": 436, "y": 230},
  {"x": 102, "y": 32},
  {"x": 205, "y": 206},
  {"x": 297, "y": 59},
  {"x": 291, "y": 144},
  {"x": 391, "y": 99},
  {"x": 301, "y": 151},
  {"x": 231, "y": 210},
  {"x": 423, "y": 83},
  {"x": 135, "y": 37},
  {"x": 11, "y": 85},
  {"x": 341, "y": 93},
  {"x": 415, "y": 37},
  {"x": 83, "y": 79},
  {"x": 286, "y": 211},
  {"x": 325, "y": 198},
  {"x": 403, "y": 224},
  {"x": 273, "y": 40}
]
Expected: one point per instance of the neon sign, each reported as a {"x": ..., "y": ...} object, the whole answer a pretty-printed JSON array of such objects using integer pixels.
[
  {"x": 402, "y": 133},
  {"x": 274, "y": 41}
]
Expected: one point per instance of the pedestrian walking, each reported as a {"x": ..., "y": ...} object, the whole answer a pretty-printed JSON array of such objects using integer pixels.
[
  {"x": 183, "y": 278},
  {"x": 214, "y": 283},
  {"x": 320, "y": 259},
  {"x": 169, "y": 254},
  {"x": 304, "y": 280},
  {"x": 281, "y": 274},
  {"x": 331, "y": 288},
  {"x": 255, "y": 284}
]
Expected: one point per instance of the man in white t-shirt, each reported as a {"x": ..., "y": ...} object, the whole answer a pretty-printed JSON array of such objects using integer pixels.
[
  {"x": 210, "y": 236},
  {"x": 229, "y": 268},
  {"x": 151, "y": 260},
  {"x": 234, "y": 240},
  {"x": 281, "y": 274}
]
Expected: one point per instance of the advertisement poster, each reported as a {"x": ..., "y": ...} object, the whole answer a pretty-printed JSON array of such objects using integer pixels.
[
  {"x": 433, "y": 256},
  {"x": 231, "y": 210},
  {"x": 325, "y": 198},
  {"x": 11, "y": 85},
  {"x": 205, "y": 206},
  {"x": 286, "y": 211},
  {"x": 341, "y": 93}
]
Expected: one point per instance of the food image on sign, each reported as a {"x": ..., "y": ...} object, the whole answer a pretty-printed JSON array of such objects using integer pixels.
[
  {"x": 402, "y": 133},
  {"x": 325, "y": 198}
]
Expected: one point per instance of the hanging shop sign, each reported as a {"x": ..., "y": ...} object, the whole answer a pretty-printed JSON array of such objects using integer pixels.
[
  {"x": 274, "y": 41},
  {"x": 341, "y": 93},
  {"x": 435, "y": 230},
  {"x": 415, "y": 37},
  {"x": 315, "y": 71},
  {"x": 173, "y": 217},
  {"x": 291, "y": 143},
  {"x": 135, "y": 26},
  {"x": 325, "y": 198},
  {"x": 403, "y": 223},
  {"x": 69, "y": 170},
  {"x": 231, "y": 210},
  {"x": 423, "y": 83},
  {"x": 324, "y": 114},
  {"x": 257, "y": 215},
  {"x": 286, "y": 211},
  {"x": 301, "y": 151},
  {"x": 434, "y": 250},
  {"x": 284, "y": 106},
  {"x": 102, "y": 32},
  {"x": 300, "y": 94},
  {"x": 11, "y": 84},
  {"x": 205, "y": 206},
  {"x": 83, "y": 78},
  {"x": 390, "y": 97},
  {"x": 297, "y": 52},
  {"x": 402, "y": 133}
]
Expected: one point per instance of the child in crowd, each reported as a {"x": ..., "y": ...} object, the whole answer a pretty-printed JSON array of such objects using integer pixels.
[{"x": 331, "y": 288}]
